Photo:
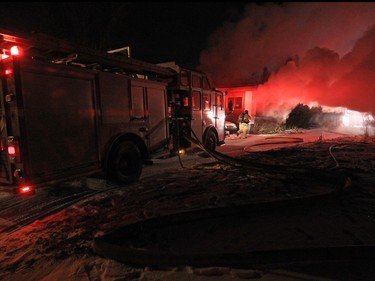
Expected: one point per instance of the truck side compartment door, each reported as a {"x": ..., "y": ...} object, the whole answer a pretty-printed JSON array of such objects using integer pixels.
[
  {"x": 5, "y": 166},
  {"x": 157, "y": 117},
  {"x": 149, "y": 112},
  {"x": 219, "y": 114}
]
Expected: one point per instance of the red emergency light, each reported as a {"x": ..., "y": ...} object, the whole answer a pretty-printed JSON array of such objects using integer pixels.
[
  {"x": 11, "y": 150},
  {"x": 8, "y": 71},
  {"x": 26, "y": 189},
  {"x": 15, "y": 51}
]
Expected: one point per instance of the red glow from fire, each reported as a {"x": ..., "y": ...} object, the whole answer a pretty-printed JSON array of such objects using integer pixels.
[{"x": 317, "y": 53}]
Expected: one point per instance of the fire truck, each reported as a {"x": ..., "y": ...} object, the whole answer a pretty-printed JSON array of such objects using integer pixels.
[{"x": 69, "y": 112}]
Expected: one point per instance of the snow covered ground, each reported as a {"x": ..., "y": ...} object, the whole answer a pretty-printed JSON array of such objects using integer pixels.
[{"x": 61, "y": 246}]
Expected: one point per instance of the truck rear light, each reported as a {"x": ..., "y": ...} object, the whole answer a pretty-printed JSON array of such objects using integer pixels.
[
  {"x": 28, "y": 189},
  {"x": 11, "y": 150},
  {"x": 8, "y": 71}
]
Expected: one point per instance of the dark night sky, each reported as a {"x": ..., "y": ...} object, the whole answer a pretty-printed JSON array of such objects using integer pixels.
[
  {"x": 316, "y": 52},
  {"x": 156, "y": 32}
]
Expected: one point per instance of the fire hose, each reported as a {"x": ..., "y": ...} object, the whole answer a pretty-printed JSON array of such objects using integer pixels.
[{"x": 285, "y": 169}]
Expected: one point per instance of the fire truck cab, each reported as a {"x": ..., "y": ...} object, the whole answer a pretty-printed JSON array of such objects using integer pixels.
[{"x": 195, "y": 105}]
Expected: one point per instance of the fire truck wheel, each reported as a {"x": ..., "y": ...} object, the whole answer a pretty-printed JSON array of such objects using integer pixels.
[
  {"x": 126, "y": 163},
  {"x": 210, "y": 141}
]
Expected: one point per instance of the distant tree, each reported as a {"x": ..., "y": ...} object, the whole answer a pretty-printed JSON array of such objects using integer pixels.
[{"x": 303, "y": 117}]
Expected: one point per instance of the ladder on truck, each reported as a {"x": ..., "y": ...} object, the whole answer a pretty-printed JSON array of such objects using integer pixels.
[{"x": 56, "y": 50}]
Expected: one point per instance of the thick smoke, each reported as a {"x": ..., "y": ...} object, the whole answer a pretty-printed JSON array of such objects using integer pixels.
[{"x": 318, "y": 53}]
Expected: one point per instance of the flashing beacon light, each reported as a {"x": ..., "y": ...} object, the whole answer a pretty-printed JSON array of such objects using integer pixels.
[{"x": 14, "y": 51}]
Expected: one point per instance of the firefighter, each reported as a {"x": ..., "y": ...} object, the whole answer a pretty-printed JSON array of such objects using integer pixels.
[{"x": 244, "y": 124}]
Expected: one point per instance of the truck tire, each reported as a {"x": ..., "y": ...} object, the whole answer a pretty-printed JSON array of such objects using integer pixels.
[
  {"x": 210, "y": 141},
  {"x": 126, "y": 164}
]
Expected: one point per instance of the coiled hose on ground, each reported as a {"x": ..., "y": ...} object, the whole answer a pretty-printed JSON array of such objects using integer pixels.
[{"x": 267, "y": 167}]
